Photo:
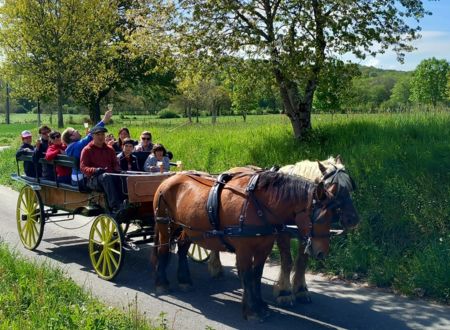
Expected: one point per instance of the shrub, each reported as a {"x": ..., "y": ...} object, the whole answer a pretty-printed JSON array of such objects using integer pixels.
[{"x": 166, "y": 114}]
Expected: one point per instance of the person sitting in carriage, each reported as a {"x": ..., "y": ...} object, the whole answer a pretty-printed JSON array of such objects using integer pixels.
[
  {"x": 146, "y": 142},
  {"x": 56, "y": 147},
  {"x": 157, "y": 159},
  {"x": 40, "y": 151},
  {"x": 75, "y": 144},
  {"x": 128, "y": 161},
  {"x": 97, "y": 161},
  {"x": 25, "y": 147}
]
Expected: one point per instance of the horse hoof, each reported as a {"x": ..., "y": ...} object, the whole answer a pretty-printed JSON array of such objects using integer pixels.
[
  {"x": 253, "y": 317},
  {"x": 185, "y": 287},
  {"x": 285, "y": 300},
  {"x": 216, "y": 272},
  {"x": 162, "y": 289},
  {"x": 303, "y": 297}
]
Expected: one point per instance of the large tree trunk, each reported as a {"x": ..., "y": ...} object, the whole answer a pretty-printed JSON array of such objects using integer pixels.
[
  {"x": 298, "y": 111},
  {"x": 61, "y": 98},
  {"x": 94, "y": 109},
  {"x": 214, "y": 114},
  {"x": 94, "y": 105},
  {"x": 39, "y": 112}
]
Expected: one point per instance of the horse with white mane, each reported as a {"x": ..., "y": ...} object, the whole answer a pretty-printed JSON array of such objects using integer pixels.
[{"x": 333, "y": 171}]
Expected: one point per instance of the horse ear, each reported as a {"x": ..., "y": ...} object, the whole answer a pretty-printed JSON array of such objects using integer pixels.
[
  {"x": 339, "y": 160},
  {"x": 322, "y": 168}
]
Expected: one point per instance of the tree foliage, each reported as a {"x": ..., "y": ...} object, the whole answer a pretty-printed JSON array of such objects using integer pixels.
[
  {"x": 335, "y": 85},
  {"x": 42, "y": 44},
  {"x": 429, "y": 82},
  {"x": 294, "y": 37}
]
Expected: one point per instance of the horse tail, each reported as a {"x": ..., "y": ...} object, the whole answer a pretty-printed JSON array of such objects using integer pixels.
[{"x": 161, "y": 208}]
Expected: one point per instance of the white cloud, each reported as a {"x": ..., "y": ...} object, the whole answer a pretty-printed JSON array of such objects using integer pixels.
[{"x": 432, "y": 44}]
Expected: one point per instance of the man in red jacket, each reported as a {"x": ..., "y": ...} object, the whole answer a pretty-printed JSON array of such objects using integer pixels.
[{"x": 97, "y": 160}]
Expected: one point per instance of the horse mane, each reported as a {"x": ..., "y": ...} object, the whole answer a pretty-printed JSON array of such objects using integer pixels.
[
  {"x": 310, "y": 169},
  {"x": 285, "y": 186}
]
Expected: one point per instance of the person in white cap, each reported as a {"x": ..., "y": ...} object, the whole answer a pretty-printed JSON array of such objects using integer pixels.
[{"x": 25, "y": 147}]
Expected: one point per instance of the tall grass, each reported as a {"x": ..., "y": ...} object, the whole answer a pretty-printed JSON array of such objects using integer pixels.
[{"x": 401, "y": 166}]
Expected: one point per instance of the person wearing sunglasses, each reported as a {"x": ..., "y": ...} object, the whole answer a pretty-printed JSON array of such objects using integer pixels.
[
  {"x": 146, "y": 142},
  {"x": 41, "y": 148},
  {"x": 57, "y": 147}
]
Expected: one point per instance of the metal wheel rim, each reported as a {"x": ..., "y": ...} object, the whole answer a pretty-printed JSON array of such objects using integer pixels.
[
  {"x": 30, "y": 218},
  {"x": 105, "y": 246},
  {"x": 198, "y": 253}
]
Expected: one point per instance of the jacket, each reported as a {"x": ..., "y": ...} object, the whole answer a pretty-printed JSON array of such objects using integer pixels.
[
  {"x": 74, "y": 149},
  {"x": 93, "y": 157},
  {"x": 28, "y": 167},
  {"x": 53, "y": 151},
  {"x": 128, "y": 164}
]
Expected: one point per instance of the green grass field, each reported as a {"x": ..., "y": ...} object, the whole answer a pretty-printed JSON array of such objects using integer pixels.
[{"x": 400, "y": 163}]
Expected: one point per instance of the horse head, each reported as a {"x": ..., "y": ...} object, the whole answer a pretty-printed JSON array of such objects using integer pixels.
[
  {"x": 332, "y": 202},
  {"x": 334, "y": 198}
]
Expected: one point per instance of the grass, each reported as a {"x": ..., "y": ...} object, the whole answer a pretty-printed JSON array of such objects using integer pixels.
[
  {"x": 400, "y": 163},
  {"x": 40, "y": 297}
]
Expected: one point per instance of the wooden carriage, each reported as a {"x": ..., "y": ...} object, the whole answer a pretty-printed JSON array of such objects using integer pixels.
[{"x": 41, "y": 200}]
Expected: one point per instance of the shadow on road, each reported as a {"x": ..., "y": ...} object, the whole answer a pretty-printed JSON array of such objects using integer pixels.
[{"x": 334, "y": 305}]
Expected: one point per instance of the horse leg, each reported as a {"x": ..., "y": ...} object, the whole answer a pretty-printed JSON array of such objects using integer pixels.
[
  {"x": 282, "y": 288},
  {"x": 161, "y": 257},
  {"x": 214, "y": 265},
  {"x": 299, "y": 287},
  {"x": 245, "y": 272},
  {"x": 183, "y": 273},
  {"x": 258, "y": 267}
]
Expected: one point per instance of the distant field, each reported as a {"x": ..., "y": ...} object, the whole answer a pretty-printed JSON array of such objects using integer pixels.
[{"x": 399, "y": 162}]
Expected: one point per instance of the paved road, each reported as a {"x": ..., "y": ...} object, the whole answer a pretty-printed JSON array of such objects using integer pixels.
[{"x": 216, "y": 303}]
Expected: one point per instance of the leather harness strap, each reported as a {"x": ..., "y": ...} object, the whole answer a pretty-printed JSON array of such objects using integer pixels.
[{"x": 212, "y": 208}]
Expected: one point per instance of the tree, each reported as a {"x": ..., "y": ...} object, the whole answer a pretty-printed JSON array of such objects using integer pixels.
[
  {"x": 42, "y": 44},
  {"x": 429, "y": 82},
  {"x": 401, "y": 92},
  {"x": 448, "y": 86},
  {"x": 294, "y": 37}
]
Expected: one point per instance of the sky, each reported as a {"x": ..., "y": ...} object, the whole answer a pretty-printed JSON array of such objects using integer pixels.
[{"x": 435, "y": 41}]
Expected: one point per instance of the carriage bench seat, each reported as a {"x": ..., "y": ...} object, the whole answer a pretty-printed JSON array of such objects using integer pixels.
[{"x": 61, "y": 160}]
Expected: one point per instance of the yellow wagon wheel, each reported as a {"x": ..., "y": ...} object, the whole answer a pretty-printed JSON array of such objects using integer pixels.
[
  {"x": 198, "y": 253},
  {"x": 30, "y": 217},
  {"x": 105, "y": 246}
]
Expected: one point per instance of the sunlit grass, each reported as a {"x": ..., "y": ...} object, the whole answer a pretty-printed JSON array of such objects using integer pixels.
[
  {"x": 400, "y": 163},
  {"x": 36, "y": 296}
]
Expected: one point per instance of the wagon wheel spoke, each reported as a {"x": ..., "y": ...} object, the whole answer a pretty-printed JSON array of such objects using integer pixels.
[
  {"x": 100, "y": 259},
  {"x": 113, "y": 259},
  {"x": 96, "y": 242},
  {"x": 97, "y": 231},
  {"x": 111, "y": 243}
]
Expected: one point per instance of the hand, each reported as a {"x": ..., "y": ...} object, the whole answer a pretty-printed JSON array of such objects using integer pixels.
[
  {"x": 107, "y": 116},
  {"x": 99, "y": 171},
  {"x": 38, "y": 144}
]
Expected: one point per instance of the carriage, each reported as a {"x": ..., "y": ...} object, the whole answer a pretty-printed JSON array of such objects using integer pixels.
[{"x": 42, "y": 201}]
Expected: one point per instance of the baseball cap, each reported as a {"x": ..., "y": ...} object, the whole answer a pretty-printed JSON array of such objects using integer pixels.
[
  {"x": 98, "y": 129},
  {"x": 26, "y": 134}
]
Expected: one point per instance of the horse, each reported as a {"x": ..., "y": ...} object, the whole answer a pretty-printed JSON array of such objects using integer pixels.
[
  {"x": 253, "y": 207},
  {"x": 341, "y": 209}
]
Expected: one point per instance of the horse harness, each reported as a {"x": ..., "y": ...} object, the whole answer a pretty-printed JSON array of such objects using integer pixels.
[{"x": 242, "y": 230}]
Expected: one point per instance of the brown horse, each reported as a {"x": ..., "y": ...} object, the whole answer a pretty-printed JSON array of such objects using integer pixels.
[
  {"x": 340, "y": 209},
  {"x": 253, "y": 207}
]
